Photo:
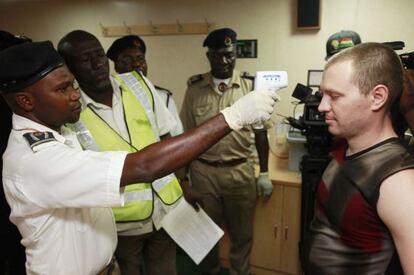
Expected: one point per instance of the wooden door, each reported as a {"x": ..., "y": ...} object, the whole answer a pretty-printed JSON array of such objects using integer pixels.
[
  {"x": 267, "y": 231},
  {"x": 291, "y": 230}
]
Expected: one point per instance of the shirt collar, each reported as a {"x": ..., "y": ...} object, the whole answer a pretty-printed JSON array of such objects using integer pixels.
[
  {"x": 235, "y": 80},
  {"x": 87, "y": 100}
]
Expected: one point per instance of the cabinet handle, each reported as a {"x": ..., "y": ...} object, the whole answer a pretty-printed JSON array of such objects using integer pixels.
[
  {"x": 275, "y": 230},
  {"x": 286, "y": 232}
]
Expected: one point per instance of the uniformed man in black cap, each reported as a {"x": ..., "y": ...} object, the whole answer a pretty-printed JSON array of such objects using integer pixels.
[
  {"x": 12, "y": 257},
  {"x": 225, "y": 174},
  {"x": 128, "y": 54},
  {"x": 58, "y": 193}
]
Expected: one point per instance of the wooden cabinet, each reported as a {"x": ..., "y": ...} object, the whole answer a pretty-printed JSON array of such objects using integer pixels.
[{"x": 277, "y": 225}]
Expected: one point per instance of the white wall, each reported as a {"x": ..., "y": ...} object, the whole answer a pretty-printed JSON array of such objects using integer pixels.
[{"x": 172, "y": 59}]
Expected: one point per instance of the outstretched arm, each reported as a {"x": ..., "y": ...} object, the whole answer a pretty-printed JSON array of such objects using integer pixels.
[
  {"x": 169, "y": 155},
  {"x": 162, "y": 158}
]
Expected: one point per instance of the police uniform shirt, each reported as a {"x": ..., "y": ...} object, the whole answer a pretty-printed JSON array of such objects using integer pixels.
[
  {"x": 115, "y": 118},
  {"x": 167, "y": 98},
  {"x": 202, "y": 102},
  {"x": 58, "y": 194},
  {"x": 114, "y": 115}
]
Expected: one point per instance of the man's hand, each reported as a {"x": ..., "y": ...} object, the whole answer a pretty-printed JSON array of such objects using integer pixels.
[
  {"x": 264, "y": 185},
  {"x": 192, "y": 196},
  {"x": 254, "y": 108}
]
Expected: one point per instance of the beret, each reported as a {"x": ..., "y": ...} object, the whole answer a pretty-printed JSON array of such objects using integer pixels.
[
  {"x": 24, "y": 64},
  {"x": 8, "y": 39},
  {"x": 341, "y": 40},
  {"x": 220, "y": 38},
  {"x": 125, "y": 42}
]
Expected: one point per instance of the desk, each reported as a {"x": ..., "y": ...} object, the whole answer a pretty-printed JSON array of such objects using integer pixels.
[
  {"x": 277, "y": 225},
  {"x": 279, "y": 173}
]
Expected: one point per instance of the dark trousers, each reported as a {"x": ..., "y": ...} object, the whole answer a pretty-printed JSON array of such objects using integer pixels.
[
  {"x": 12, "y": 253},
  {"x": 155, "y": 252}
]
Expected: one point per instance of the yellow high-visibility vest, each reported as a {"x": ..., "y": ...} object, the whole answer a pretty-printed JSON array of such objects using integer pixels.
[{"x": 138, "y": 197}]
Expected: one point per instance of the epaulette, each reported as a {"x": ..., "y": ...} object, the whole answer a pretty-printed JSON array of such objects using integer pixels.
[
  {"x": 194, "y": 79},
  {"x": 163, "y": 89},
  {"x": 247, "y": 75},
  {"x": 35, "y": 139}
]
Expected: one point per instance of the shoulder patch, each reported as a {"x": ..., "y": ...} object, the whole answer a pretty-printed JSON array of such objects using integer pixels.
[
  {"x": 194, "y": 79},
  {"x": 163, "y": 90},
  {"x": 36, "y": 138}
]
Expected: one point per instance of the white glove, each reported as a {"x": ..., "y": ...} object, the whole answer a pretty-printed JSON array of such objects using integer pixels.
[
  {"x": 264, "y": 185},
  {"x": 253, "y": 108}
]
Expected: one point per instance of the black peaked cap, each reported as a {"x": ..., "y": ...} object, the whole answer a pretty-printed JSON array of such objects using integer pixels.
[
  {"x": 220, "y": 38},
  {"x": 125, "y": 42},
  {"x": 23, "y": 65},
  {"x": 8, "y": 39}
]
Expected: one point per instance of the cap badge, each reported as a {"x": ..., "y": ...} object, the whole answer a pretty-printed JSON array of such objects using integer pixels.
[
  {"x": 227, "y": 41},
  {"x": 137, "y": 43},
  {"x": 335, "y": 44}
]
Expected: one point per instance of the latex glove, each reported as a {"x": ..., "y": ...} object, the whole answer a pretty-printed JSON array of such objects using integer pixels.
[
  {"x": 264, "y": 185},
  {"x": 253, "y": 108}
]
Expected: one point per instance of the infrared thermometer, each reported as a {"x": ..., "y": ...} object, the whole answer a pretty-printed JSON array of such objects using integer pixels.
[{"x": 269, "y": 80}]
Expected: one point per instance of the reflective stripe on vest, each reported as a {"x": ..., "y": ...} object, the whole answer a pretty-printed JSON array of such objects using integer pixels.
[{"x": 137, "y": 197}]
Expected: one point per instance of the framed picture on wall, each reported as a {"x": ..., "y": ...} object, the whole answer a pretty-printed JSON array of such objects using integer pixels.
[
  {"x": 314, "y": 78},
  {"x": 246, "y": 48}
]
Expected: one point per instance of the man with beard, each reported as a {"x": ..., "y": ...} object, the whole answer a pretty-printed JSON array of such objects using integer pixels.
[{"x": 224, "y": 175}]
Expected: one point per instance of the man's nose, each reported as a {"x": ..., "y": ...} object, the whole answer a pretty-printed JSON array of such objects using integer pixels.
[
  {"x": 324, "y": 105},
  {"x": 75, "y": 95},
  {"x": 98, "y": 62},
  {"x": 225, "y": 60}
]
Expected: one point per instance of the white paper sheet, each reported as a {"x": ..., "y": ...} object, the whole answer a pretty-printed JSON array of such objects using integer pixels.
[{"x": 195, "y": 232}]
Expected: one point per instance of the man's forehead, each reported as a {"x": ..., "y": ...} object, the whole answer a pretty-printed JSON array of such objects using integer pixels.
[
  {"x": 52, "y": 79},
  {"x": 131, "y": 51},
  {"x": 60, "y": 74},
  {"x": 222, "y": 50},
  {"x": 86, "y": 45},
  {"x": 342, "y": 66},
  {"x": 337, "y": 74},
  {"x": 63, "y": 71}
]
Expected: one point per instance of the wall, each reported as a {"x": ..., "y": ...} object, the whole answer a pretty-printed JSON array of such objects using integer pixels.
[{"x": 172, "y": 59}]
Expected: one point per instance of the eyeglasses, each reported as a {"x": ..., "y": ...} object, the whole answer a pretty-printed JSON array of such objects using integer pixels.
[{"x": 128, "y": 59}]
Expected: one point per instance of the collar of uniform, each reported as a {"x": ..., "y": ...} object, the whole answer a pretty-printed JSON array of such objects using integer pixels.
[
  {"x": 25, "y": 125},
  {"x": 235, "y": 80},
  {"x": 88, "y": 101}
]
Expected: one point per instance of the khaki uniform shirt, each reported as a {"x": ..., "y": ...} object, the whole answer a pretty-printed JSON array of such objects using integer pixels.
[{"x": 203, "y": 102}]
